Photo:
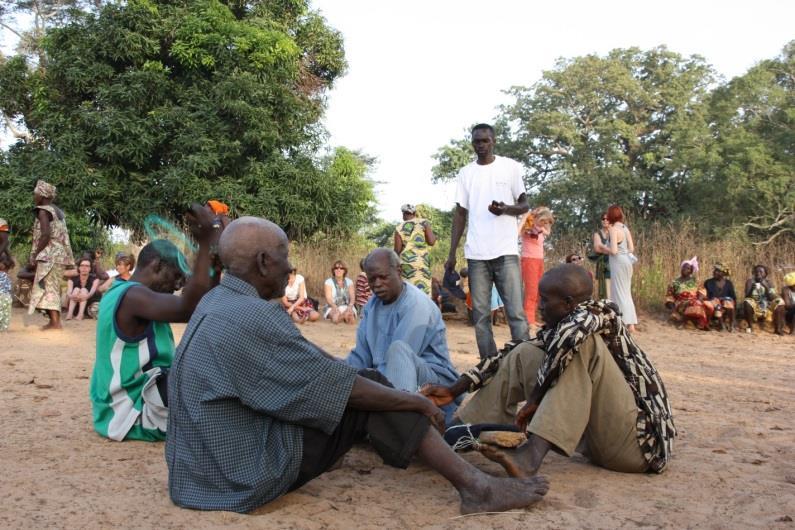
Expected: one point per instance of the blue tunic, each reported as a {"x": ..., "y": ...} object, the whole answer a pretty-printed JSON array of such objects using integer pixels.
[{"x": 412, "y": 318}]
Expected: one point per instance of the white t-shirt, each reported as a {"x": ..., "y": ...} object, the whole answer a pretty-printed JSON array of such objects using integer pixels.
[
  {"x": 489, "y": 236},
  {"x": 293, "y": 291}
]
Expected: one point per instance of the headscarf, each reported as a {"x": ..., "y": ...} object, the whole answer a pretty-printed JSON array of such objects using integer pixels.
[
  {"x": 722, "y": 268},
  {"x": 218, "y": 207},
  {"x": 789, "y": 279},
  {"x": 3, "y": 225},
  {"x": 44, "y": 189},
  {"x": 693, "y": 262},
  {"x": 408, "y": 208}
]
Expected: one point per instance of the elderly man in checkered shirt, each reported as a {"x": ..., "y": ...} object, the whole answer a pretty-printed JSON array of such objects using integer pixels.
[{"x": 256, "y": 410}]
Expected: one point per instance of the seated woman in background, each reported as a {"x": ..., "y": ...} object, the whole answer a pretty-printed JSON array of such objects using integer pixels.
[
  {"x": 788, "y": 295},
  {"x": 296, "y": 301},
  {"x": 762, "y": 303},
  {"x": 125, "y": 263},
  {"x": 686, "y": 300},
  {"x": 721, "y": 295},
  {"x": 340, "y": 295},
  {"x": 82, "y": 291}
]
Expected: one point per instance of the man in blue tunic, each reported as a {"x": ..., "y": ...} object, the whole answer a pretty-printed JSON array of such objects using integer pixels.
[{"x": 401, "y": 333}]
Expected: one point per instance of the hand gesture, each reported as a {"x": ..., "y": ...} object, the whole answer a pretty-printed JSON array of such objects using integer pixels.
[
  {"x": 438, "y": 394},
  {"x": 524, "y": 415},
  {"x": 497, "y": 208},
  {"x": 201, "y": 221}
]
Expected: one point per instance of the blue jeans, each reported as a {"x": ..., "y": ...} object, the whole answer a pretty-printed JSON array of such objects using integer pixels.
[{"x": 503, "y": 272}]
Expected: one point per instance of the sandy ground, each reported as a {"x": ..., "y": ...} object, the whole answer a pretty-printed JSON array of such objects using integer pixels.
[{"x": 733, "y": 397}]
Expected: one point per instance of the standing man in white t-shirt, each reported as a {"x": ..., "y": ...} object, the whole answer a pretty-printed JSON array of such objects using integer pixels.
[{"x": 490, "y": 193}]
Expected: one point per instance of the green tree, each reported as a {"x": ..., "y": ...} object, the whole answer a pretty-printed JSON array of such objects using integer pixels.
[
  {"x": 595, "y": 130},
  {"x": 750, "y": 178},
  {"x": 147, "y": 105}
]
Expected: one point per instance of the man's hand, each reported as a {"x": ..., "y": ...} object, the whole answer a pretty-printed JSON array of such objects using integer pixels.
[
  {"x": 449, "y": 265},
  {"x": 498, "y": 208},
  {"x": 433, "y": 413},
  {"x": 201, "y": 221},
  {"x": 440, "y": 395},
  {"x": 524, "y": 415}
]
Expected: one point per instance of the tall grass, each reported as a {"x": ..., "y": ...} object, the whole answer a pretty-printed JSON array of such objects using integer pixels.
[
  {"x": 314, "y": 260},
  {"x": 660, "y": 249}
]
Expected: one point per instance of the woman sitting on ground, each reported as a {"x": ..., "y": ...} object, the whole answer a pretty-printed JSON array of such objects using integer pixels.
[
  {"x": 762, "y": 303},
  {"x": 686, "y": 300},
  {"x": 721, "y": 295},
  {"x": 125, "y": 263},
  {"x": 82, "y": 291},
  {"x": 296, "y": 301},
  {"x": 788, "y": 295},
  {"x": 340, "y": 295}
]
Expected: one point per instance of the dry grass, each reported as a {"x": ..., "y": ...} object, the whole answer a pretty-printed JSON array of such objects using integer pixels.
[
  {"x": 661, "y": 248},
  {"x": 314, "y": 260}
]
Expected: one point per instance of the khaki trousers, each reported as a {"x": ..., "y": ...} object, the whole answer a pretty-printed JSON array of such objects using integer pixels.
[{"x": 590, "y": 402}]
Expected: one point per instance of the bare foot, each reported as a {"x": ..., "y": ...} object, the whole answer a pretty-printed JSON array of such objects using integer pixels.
[
  {"x": 79, "y": 318},
  {"x": 68, "y": 317},
  {"x": 50, "y": 326},
  {"x": 493, "y": 494},
  {"x": 523, "y": 461},
  {"x": 507, "y": 459}
]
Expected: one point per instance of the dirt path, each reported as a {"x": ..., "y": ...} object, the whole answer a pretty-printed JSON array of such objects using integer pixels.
[{"x": 733, "y": 397}]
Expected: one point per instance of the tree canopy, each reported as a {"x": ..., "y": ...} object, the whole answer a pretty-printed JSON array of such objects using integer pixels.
[
  {"x": 654, "y": 132},
  {"x": 144, "y": 106}
]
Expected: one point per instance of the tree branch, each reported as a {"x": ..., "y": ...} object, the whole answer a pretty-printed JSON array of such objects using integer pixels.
[
  {"x": 774, "y": 236},
  {"x": 17, "y": 133},
  {"x": 12, "y": 30}
]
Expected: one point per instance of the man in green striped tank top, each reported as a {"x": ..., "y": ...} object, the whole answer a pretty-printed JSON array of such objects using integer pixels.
[{"x": 135, "y": 345}]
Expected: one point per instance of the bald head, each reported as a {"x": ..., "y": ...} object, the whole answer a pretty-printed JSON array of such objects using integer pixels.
[
  {"x": 382, "y": 267},
  {"x": 255, "y": 250},
  {"x": 569, "y": 280},
  {"x": 561, "y": 289}
]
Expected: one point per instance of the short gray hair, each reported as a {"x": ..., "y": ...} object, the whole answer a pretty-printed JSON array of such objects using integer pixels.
[{"x": 394, "y": 259}]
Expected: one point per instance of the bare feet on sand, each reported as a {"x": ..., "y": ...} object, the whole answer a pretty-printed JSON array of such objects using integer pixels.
[
  {"x": 494, "y": 494},
  {"x": 522, "y": 462},
  {"x": 50, "y": 326}
]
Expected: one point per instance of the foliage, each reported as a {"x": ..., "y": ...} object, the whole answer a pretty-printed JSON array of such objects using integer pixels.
[
  {"x": 148, "y": 105},
  {"x": 654, "y": 132},
  {"x": 753, "y": 119}
]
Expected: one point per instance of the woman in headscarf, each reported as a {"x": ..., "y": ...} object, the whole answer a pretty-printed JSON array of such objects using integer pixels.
[
  {"x": 721, "y": 295},
  {"x": 414, "y": 238},
  {"x": 686, "y": 300},
  {"x": 50, "y": 255}
]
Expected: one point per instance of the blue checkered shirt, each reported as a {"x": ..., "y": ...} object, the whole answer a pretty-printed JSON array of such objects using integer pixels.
[{"x": 243, "y": 385}]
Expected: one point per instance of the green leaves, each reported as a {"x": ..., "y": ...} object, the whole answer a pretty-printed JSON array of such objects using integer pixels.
[
  {"x": 651, "y": 131},
  {"x": 148, "y": 105}
]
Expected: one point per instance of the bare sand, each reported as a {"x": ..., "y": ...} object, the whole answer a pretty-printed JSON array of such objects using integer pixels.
[{"x": 734, "y": 467}]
